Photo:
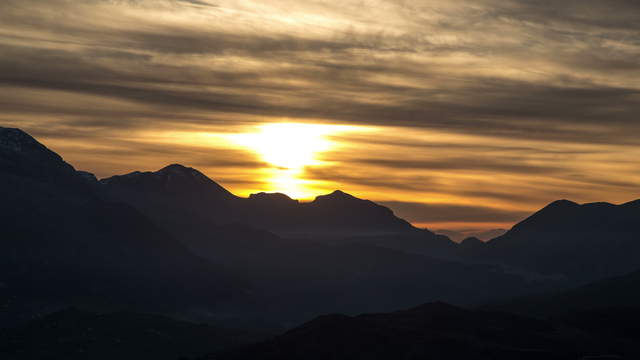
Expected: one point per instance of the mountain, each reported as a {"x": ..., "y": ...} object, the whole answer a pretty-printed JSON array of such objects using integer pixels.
[
  {"x": 617, "y": 292},
  {"x": 299, "y": 278},
  {"x": 472, "y": 244},
  {"x": 192, "y": 207},
  {"x": 432, "y": 331},
  {"x": 335, "y": 214},
  {"x": 609, "y": 309},
  {"x": 22, "y": 156},
  {"x": 580, "y": 242},
  {"x": 484, "y": 235},
  {"x": 74, "y": 334},
  {"x": 183, "y": 198},
  {"x": 127, "y": 241},
  {"x": 63, "y": 245},
  {"x": 170, "y": 242}
]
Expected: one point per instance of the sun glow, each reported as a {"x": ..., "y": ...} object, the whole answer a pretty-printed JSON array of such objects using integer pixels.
[{"x": 289, "y": 148}]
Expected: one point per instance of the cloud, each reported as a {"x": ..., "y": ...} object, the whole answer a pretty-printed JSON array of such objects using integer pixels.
[{"x": 504, "y": 100}]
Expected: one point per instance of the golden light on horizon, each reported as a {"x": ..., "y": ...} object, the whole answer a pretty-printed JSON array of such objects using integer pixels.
[{"x": 289, "y": 148}]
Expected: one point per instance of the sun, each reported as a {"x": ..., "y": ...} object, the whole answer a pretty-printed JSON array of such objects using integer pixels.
[{"x": 289, "y": 148}]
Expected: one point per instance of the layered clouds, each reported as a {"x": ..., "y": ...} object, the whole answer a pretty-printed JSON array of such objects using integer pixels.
[{"x": 481, "y": 110}]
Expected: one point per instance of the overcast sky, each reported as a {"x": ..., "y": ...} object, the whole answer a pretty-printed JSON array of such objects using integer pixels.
[{"x": 460, "y": 114}]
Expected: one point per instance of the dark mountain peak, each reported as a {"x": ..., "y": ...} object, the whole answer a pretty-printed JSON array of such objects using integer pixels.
[
  {"x": 598, "y": 205},
  {"x": 18, "y": 141},
  {"x": 635, "y": 204},
  {"x": 24, "y": 157},
  {"x": 336, "y": 195},
  {"x": 435, "y": 307},
  {"x": 562, "y": 204},
  {"x": 347, "y": 211},
  {"x": 472, "y": 242},
  {"x": 272, "y": 198},
  {"x": 176, "y": 169},
  {"x": 174, "y": 178},
  {"x": 551, "y": 215}
]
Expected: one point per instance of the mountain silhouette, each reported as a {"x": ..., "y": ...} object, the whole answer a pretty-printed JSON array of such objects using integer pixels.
[
  {"x": 128, "y": 241},
  {"x": 62, "y": 244},
  {"x": 172, "y": 179},
  {"x": 27, "y": 165},
  {"x": 580, "y": 242},
  {"x": 611, "y": 293},
  {"x": 297, "y": 278},
  {"x": 175, "y": 242},
  {"x": 183, "y": 197},
  {"x": 192, "y": 207},
  {"x": 75, "y": 334},
  {"x": 472, "y": 244},
  {"x": 432, "y": 331}
]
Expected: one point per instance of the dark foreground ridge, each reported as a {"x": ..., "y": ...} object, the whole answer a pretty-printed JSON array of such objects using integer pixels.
[
  {"x": 442, "y": 331},
  {"x": 73, "y": 334}
]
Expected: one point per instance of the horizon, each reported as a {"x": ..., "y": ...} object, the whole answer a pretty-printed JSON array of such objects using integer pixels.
[{"x": 456, "y": 234}]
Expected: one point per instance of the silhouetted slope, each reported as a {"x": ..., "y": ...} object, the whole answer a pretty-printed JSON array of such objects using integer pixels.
[
  {"x": 192, "y": 209},
  {"x": 85, "y": 249},
  {"x": 297, "y": 279},
  {"x": 179, "y": 198},
  {"x": 334, "y": 214},
  {"x": 105, "y": 255},
  {"x": 21, "y": 156},
  {"x": 472, "y": 243},
  {"x": 418, "y": 241},
  {"x": 184, "y": 200},
  {"x": 431, "y": 331},
  {"x": 618, "y": 292},
  {"x": 74, "y": 334},
  {"x": 62, "y": 245},
  {"x": 581, "y": 242},
  {"x": 342, "y": 210}
]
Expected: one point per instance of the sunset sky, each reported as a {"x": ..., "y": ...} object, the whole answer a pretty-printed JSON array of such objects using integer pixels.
[{"x": 462, "y": 114}]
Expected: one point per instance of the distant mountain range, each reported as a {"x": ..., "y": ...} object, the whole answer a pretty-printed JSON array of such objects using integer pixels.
[
  {"x": 175, "y": 242},
  {"x": 580, "y": 242},
  {"x": 181, "y": 196},
  {"x": 459, "y": 236}
]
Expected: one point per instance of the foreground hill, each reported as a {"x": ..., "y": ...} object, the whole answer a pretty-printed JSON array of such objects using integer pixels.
[
  {"x": 73, "y": 334},
  {"x": 617, "y": 292},
  {"x": 436, "y": 331}
]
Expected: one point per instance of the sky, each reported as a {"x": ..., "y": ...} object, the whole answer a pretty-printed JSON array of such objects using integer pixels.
[{"x": 464, "y": 115}]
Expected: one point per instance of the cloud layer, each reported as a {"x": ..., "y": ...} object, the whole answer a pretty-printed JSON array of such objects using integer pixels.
[{"x": 503, "y": 105}]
